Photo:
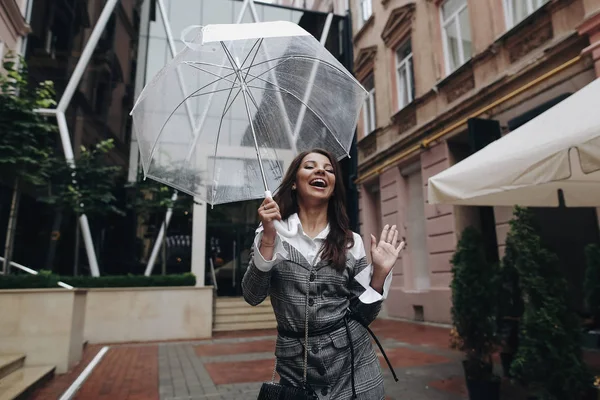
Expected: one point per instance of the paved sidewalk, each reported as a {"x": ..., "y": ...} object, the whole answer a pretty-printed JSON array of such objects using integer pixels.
[{"x": 232, "y": 366}]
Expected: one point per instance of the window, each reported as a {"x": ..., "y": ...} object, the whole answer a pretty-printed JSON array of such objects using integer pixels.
[
  {"x": 369, "y": 108},
  {"x": 517, "y": 10},
  {"x": 457, "y": 33},
  {"x": 366, "y": 9},
  {"x": 1, "y": 50},
  {"x": 404, "y": 75}
]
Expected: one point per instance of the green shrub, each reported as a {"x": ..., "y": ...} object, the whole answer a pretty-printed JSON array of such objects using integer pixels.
[
  {"x": 592, "y": 281},
  {"x": 549, "y": 360},
  {"x": 46, "y": 280},
  {"x": 474, "y": 303}
]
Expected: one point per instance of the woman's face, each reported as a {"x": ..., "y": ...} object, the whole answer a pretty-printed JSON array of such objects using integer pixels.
[{"x": 315, "y": 179}]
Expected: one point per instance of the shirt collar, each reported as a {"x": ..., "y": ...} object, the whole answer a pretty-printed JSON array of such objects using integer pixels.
[{"x": 294, "y": 220}]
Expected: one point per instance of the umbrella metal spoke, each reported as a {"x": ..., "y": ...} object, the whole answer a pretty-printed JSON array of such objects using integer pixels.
[
  {"x": 175, "y": 110},
  {"x": 258, "y": 42},
  {"x": 244, "y": 93},
  {"x": 212, "y": 73},
  {"x": 280, "y": 89},
  {"x": 216, "y": 91},
  {"x": 299, "y": 57},
  {"x": 207, "y": 64}
]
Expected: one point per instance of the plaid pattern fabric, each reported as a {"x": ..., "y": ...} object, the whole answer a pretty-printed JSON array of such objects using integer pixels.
[{"x": 331, "y": 293}]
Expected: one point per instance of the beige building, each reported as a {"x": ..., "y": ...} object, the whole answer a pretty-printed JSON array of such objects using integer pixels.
[
  {"x": 13, "y": 25},
  {"x": 445, "y": 78}
]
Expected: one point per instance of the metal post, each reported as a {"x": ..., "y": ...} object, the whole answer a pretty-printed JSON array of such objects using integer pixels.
[
  {"x": 63, "y": 129},
  {"x": 159, "y": 238},
  {"x": 288, "y": 128},
  {"x": 169, "y": 33},
  {"x": 312, "y": 77}
]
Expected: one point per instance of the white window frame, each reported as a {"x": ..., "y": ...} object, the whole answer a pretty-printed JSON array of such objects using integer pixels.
[
  {"x": 407, "y": 63},
  {"x": 453, "y": 18},
  {"x": 365, "y": 11},
  {"x": 532, "y": 6},
  {"x": 369, "y": 117},
  {"x": 1, "y": 53}
]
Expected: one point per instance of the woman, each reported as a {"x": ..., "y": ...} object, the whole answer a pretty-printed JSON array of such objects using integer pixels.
[{"x": 327, "y": 259}]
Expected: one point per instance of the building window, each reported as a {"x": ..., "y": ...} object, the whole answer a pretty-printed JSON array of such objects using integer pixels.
[
  {"x": 1, "y": 50},
  {"x": 366, "y": 9},
  {"x": 369, "y": 109},
  {"x": 404, "y": 75},
  {"x": 517, "y": 10},
  {"x": 457, "y": 33}
]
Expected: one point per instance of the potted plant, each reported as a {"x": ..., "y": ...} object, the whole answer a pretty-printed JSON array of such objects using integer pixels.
[
  {"x": 591, "y": 287},
  {"x": 473, "y": 314},
  {"x": 510, "y": 305},
  {"x": 549, "y": 359}
]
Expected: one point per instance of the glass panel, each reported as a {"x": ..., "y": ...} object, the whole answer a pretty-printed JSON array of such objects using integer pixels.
[
  {"x": 221, "y": 14},
  {"x": 452, "y": 46},
  {"x": 369, "y": 83},
  {"x": 451, "y": 6},
  {"x": 157, "y": 57},
  {"x": 519, "y": 11},
  {"x": 184, "y": 13},
  {"x": 403, "y": 93},
  {"x": 366, "y": 9},
  {"x": 372, "y": 110},
  {"x": 403, "y": 52},
  {"x": 465, "y": 34}
]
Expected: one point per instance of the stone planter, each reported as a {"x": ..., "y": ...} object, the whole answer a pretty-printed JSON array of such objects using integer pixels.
[
  {"x": 119, "y": 315},
  {"x": 44, "y": 324}
]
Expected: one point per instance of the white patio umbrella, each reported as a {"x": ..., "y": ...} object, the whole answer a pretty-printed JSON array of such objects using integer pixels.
[{"x": 558, "y": 151}]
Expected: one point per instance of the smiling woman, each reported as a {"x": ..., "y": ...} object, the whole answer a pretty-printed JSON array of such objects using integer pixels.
[{"x": 323, "y": 291}]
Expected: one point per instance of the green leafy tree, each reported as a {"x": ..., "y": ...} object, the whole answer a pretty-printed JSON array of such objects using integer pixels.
[
  {"x": 86, "y": 187},
  {"x": 592, "y": 281},
  {"x": 474, "y": 304},
  {"x": 548, "y": 360},
  {"x": 26, "y": 139}
]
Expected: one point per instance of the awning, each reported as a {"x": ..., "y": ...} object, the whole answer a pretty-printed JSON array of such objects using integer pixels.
[{"x": 554, "y": 156}]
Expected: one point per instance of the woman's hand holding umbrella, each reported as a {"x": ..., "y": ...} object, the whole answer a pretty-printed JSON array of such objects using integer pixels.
[{"x": 268, "y": 212}]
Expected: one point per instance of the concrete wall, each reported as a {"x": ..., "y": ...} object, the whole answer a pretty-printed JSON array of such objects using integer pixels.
[
  {"x": 44, "y": 324},
  {"x": 148, "y": 314}
]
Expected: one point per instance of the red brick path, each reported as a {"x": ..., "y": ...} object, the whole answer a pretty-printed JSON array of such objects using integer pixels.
[{"x": 125, "y": 373}]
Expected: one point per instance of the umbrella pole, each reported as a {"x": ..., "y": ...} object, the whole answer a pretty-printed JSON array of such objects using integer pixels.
[{"x": 260, "y": 162}]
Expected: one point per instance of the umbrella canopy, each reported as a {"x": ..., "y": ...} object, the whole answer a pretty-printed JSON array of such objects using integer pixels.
[
  {"x": 224, "y": 119},
  {"x": 556, "y": 154}
]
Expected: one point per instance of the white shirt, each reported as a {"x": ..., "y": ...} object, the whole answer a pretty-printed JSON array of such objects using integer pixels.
[{"x": 310, "y": 249}]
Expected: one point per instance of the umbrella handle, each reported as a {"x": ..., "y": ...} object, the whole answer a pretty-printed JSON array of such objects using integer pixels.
[{"x": 279, "y": 226}]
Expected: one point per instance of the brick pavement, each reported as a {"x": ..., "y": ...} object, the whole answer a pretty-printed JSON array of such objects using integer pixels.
[{"x": 232, "y": 366}]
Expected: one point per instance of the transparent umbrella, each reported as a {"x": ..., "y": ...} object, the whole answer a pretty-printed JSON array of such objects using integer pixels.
[{"x": 223, "y": 120}]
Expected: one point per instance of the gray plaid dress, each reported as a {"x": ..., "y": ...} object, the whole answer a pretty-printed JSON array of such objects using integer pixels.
[{"x": 331, "y": 293}]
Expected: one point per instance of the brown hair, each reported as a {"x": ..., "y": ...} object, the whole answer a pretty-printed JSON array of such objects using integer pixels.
[{"x": 340, "y": 237}]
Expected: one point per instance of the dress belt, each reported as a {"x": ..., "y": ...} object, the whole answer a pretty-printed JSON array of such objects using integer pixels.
[{"x": 334, "y": 327}]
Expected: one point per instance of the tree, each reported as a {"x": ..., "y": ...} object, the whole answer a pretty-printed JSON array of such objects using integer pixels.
[
  {"x": 26, "y": 137},
  {"x": 88, "y": 186},
  {"x": 548, "y": 360},
  {"x": 592, "y": 282},
  {"x": 474, "y": 304}
]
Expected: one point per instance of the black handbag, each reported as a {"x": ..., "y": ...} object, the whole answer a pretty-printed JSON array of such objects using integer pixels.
[{"x": 278, "y": 391}]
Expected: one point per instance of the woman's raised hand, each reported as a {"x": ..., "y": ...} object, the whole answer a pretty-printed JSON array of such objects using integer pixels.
[{"x": 385, "y": 252}]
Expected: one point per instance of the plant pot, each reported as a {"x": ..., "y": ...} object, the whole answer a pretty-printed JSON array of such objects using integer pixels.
[
  {"x": 483, "y": 390},
  {"x": 506, "y": 359},
  {"x": 590, "y": 340},
  {"x": 480, "y": 388}
]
